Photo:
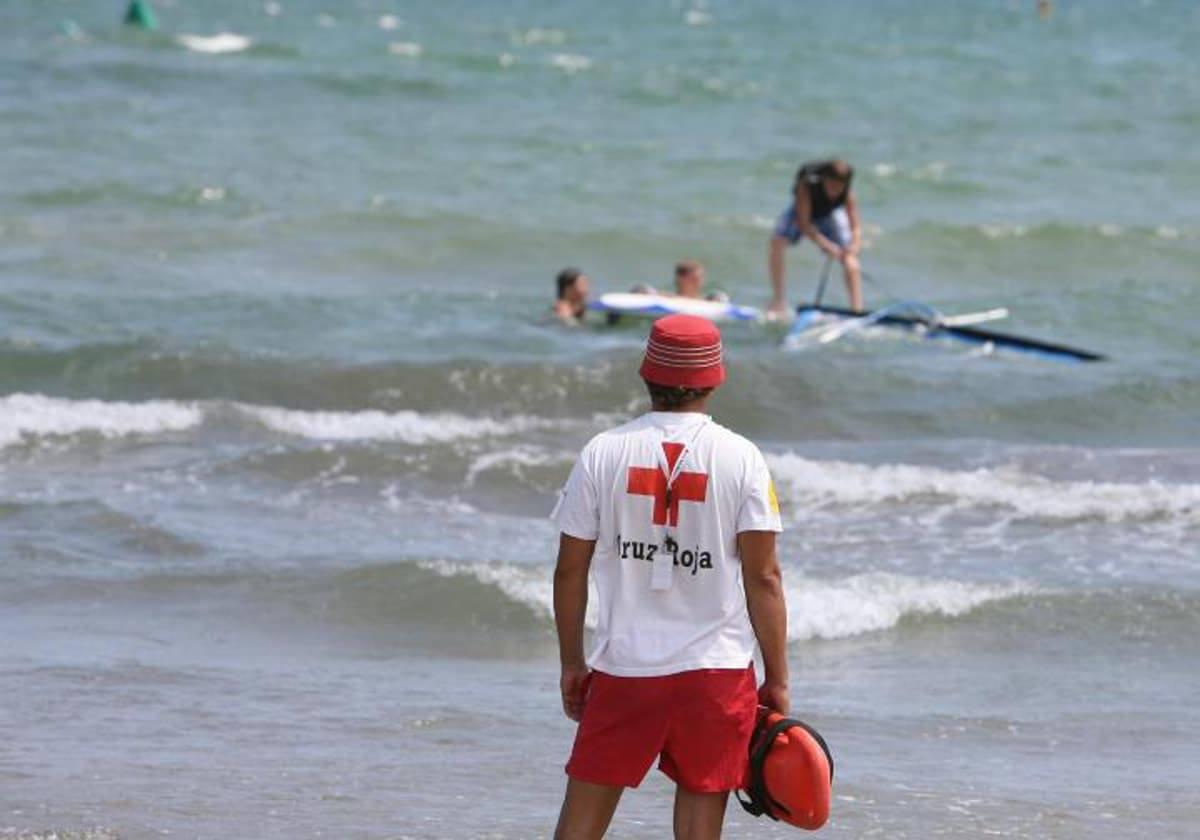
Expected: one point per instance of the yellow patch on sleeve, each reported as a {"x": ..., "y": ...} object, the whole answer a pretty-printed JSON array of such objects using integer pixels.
[{"x": 774, "y": 500}]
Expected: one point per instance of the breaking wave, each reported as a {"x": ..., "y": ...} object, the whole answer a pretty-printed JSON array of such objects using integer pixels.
[
  {"x": 404, "y": 426},
  {"x": 24, "y": 416},
  {"x": 817, "y": 609},
  {"x": 866, "y": 603},
  {"x": 517, "y": 463},
  {"x": 808, "y": 484}
]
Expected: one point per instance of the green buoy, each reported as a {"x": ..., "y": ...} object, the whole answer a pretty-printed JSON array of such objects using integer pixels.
[{"x": 140, "y": 14}]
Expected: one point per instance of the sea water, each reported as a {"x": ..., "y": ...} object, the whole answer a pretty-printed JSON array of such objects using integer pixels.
[{"x": 281, "y": 417}]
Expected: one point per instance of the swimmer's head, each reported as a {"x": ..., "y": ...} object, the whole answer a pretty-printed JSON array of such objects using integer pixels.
[
  {"x": 689, "y": 278},
  {"x": 572, "y": 284}
]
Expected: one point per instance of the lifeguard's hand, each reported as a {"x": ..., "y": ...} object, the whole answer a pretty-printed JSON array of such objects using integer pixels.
[
  {"x": 775, "y": 696},
  {"x": 574, "y": 683}
]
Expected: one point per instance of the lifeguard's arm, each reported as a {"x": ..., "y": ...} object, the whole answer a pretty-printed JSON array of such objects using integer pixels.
[
  {"x": 570, "y": 607},
  {"x": 855, "y": 225},
  {"x": 805, "y": 223},
  {"x": 768, "y": 612}
]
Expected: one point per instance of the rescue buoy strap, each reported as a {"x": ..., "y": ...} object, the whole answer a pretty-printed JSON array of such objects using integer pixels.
[{"x": 758, "y": 757}]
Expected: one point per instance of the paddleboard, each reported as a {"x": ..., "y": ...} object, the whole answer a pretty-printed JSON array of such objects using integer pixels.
[{"x": 641, "y": 305}]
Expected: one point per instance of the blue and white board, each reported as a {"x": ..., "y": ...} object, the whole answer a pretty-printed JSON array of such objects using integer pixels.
[{"x": 641, "y": 305}]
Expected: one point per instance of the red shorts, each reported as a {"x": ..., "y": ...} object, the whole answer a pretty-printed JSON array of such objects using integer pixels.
[{"x": 699, "y": 722}]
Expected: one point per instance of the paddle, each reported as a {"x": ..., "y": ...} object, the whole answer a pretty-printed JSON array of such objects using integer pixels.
[{"x": 824, "y": 280}]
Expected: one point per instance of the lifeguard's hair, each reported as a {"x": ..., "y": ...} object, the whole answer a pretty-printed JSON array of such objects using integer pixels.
[
  {"x": 838, "y": 169},
  {"x": 671, "y": 397},
  {"x": 685, "y": 267},
  {"x": 566, "y": 279}
]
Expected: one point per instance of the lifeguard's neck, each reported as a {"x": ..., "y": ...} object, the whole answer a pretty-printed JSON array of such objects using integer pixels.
[{"x": 699, "y": 406}]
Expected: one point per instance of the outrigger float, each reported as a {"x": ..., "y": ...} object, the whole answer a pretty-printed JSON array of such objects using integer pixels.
[
  {"x": 818, "y": 324},
  {"x": 824, "y": 324}
]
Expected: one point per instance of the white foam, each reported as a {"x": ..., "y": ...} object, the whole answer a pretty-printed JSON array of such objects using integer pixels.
[
  {"x": 867, "y": 603},
  {"x": 697, "y": 17},
  {"x": 25, "y": 416},
  {"x": 934, "y": 171},
  {"x": 406, "y": 49},
  {"x": 817, "y": 609},
  {"x": 1003, "y": 231},
  {"x": 808, "y": 484},
  {"x": 389, "y": 22},
  {"x": 404, "y": 426},
  {"x": 755, "y": 221},
  {"x": 223, "y": 42},
  {"x": 540, "y": 35},
  {"x": 532, "y": 586},
  {"x": 74, "y": 32},
  {"x": 514, "y": 461},
  {"x": 569, "y": 63}
]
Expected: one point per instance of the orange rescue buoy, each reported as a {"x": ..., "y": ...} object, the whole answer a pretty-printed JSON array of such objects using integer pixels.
[{"x": 791, "y": 772}]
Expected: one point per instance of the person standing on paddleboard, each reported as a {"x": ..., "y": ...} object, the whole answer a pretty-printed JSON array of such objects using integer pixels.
[
  {"x": 824, "y": 209},
  {"x": 675, "y": 518}
]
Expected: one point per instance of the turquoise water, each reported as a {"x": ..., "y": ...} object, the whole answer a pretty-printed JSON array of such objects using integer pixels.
[{"x": 281, "y": 416}]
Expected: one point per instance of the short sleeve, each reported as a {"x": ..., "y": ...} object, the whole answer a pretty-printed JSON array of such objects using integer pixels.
[
  {"x": 759, "y": 509},
  {"x": 577, "y": 513}
]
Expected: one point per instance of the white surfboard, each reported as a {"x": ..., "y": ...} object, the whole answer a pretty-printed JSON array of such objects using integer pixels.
[{"x": 640, "y": 305}]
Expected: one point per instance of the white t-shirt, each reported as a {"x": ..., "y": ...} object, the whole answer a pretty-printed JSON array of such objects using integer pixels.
[{"x": 668, "y": 577}]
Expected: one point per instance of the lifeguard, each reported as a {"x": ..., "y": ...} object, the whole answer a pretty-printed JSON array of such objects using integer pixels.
[{"x": 675, "y": 518}]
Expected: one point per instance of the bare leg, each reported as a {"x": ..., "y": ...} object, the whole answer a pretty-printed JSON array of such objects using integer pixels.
[
  {"x": 775, "y": 266},
  {"x": 853, "y": 272},
  {"x": 699, "y": 816},
  {"x": 587, "y": 810}
]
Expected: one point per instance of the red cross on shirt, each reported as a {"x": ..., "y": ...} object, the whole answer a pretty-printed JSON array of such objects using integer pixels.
[{"x": 652, "y": 481}]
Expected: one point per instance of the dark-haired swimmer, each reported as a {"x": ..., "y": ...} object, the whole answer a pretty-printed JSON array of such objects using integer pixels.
[{"x": 571, "y": 304}]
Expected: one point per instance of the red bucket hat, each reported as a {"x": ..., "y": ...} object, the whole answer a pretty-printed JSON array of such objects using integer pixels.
[{"x": 684, "y": 351}]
